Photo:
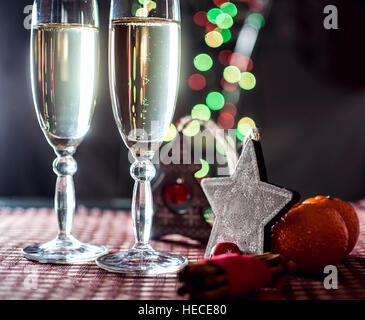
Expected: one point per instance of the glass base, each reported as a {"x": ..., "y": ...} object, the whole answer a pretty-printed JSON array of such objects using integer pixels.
[
  {"x": 64, "y": 251},
  {"x": 142, "y": 260}
]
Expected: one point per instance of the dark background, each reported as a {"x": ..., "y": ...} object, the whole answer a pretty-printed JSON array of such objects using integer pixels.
[{"x": 309, "y": 103}]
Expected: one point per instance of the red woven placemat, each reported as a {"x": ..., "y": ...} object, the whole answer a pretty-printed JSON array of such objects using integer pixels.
[{"x": 22, "y": 279}]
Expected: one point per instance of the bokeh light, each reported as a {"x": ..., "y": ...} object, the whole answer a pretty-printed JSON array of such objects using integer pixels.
[
  {"x": 215, "y": 100},
  {"x": 151, "y": 5},
  {"x": 171, "y": 134},
  {"x": 197, "y": 82},
  {"x": 229, "y": 108},
  {"x": 228, "y": 86},
  {"x": 204, "y": 171},
  {"x": 256, "y": 5},
  {"x": 144, "y": 2},
  {"x": 229, "y": 8},
  {"x": 209, "y": 216},
  {"x": 212, "y": 15},
  {"x": 244, "y": 126},
  {"x": 242, "y": 62},
  {"x": 203, "y": 62},
  {"x": 226, "y": 34},
  {"x": 191, "y": 129},
  {"x": 214, "y": 39},
  {"x": 256, "y": 20},
  {"x": 225, "y": 120},
  {"x": 224, "y": 57},
  {"x": 224, "y": 21},
  {"x": 247, "y": 81},
  {"x": 142, "y": 12},
  {"x": 218, "y": 3},
  {"x": 232, "y": 74},
  {"x": 233, "y": 96},
  {"x": 210, "y": 27},
  {"x": 201, "y": 112},
  {"x": 200, "y": 18}
]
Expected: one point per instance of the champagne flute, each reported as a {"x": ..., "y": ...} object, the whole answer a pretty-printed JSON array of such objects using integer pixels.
[
  {"x": 144, "y": 58},
  {"x": 64, "y": 65}
]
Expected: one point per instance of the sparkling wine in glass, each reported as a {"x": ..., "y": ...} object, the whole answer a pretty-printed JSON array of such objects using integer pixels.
[
  {"x": 144, "y": 60},
  {"x": 64, "y": 69}
]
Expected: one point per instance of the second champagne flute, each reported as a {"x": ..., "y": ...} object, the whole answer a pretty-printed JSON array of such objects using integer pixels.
[
  {"x": 144, "y": 61},
  {"x": 64, "y": 63}
]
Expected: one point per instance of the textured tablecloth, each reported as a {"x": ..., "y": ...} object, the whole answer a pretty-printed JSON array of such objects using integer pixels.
[{"x": 22, "y": 279}]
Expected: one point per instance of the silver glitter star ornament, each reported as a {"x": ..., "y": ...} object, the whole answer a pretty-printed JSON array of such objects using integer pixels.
[{"x": 244, "y": 204}]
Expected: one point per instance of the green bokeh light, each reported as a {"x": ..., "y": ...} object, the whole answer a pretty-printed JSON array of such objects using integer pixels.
[
  {"x": 192, "y": 129},
  {"x": 215, "y": 100},
  {"x": 224, "y": 21},
  {"x": 213, "y": 14},
  {"x": 201, "y": 112},
  {"x": 144, "y": 2},
  {"x": 247, "y": 81},
  {"x": 256, "y": 20},
  {"x": 209, "y": 216},
  {"x": 203, "y": 172},
  {"x": 142, "y": 12},
  {"x": 226, "y": 34},
  {"x": 203, "y": 62},
  {"x": 240, "y": 136},
  {"x": 232, "y": 74},
  {"x": 229, "y": 8}
]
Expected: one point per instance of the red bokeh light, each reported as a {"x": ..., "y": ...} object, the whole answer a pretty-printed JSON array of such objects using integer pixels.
[
  {"x": 218, "y": 3},
  {"x": 226, "y": 120},
  {"x": 224, "y": 57},
  {"x": 229, "y": 108},
  {"x": 256, "y": 5},
  {"x": 210, "y": 27},
  {"x": 197, "y": 82},
  {"x": 200, "y": 18},
  {"x": 228, "y": 86},
  {"x": 240, "y": 61}
]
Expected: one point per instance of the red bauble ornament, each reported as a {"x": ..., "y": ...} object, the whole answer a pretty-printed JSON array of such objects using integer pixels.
[
  {"x": 177, "y": 193},
  {"x": 224, "y": 248}
]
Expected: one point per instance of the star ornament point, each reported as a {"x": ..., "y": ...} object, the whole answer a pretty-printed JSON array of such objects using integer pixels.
[{"x": 244, "y": 203}]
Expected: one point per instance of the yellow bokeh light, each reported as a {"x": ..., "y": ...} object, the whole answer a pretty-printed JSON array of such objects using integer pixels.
[
  {"x": 151, "y": 5},
  {"x": 192, "y": 129},
  {"x": 244, "y": 125},
  {"x": 247, "y": 81},
  {"x": 232, "y": 74},
  {"x": 172, "y": 133},
  {"x": 214, "y": 39}
]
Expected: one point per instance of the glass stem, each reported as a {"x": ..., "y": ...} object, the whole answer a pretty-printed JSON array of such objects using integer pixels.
[
  {"x": 65, "y": 167},
  {"x": 142, "y": 203}
]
